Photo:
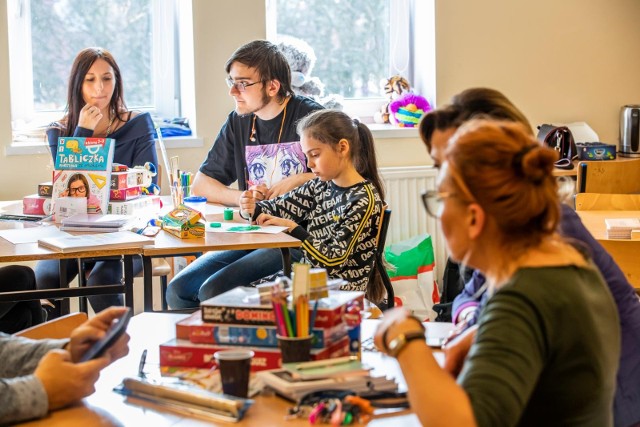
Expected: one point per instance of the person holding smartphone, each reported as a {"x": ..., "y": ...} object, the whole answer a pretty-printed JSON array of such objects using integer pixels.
[{"x": 37, "y": 376}]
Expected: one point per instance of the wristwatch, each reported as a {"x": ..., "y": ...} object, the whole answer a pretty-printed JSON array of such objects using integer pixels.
[{"x": 397, "y": 344}]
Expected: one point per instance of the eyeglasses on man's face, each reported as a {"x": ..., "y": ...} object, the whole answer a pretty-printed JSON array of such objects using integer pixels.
[
  {"x": 433, "y": 202},
  {"x": 77, "y": 190},
  {"x": 240, "y": 86}
]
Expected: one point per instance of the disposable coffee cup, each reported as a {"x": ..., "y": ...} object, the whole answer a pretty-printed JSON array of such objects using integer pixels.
[
  {"x": 235, "y": 367},
  {"x": 295, "y": 349}
]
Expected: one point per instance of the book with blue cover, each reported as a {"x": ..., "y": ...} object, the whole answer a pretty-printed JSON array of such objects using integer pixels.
[{"x": 82, "y": 170}]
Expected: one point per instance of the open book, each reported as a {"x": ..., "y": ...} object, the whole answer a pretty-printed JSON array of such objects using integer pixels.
[{"x": 119, "y": 239}]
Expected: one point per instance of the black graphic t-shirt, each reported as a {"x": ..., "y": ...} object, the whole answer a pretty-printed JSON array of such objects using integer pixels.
[{"x": 234, "y": 157}]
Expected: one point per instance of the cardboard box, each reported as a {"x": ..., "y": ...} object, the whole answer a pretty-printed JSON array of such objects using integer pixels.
[
  {"x": 45, "y": 189},
  {"x": 124, "y": 194},
  {"x": 135, "y": 206},
  {"x": 130, "y": 178},
  {"x": 596, "y": 151},
  {"x": 184, "y": 222},
  {"x": 36, "y": 205}
]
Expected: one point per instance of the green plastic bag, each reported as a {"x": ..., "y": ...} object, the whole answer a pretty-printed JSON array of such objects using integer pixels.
[{"x": 413, "y": 275}]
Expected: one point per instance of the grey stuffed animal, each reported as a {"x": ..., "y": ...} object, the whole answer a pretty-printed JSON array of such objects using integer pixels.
[{"x": 301, "y": 59}]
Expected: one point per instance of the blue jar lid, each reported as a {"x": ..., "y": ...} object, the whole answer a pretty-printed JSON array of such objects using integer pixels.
[{"x": 195, "y": 199}]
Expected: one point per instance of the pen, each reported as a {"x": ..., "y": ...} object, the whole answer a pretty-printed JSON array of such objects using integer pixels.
[{"x": 326, "y": 363}]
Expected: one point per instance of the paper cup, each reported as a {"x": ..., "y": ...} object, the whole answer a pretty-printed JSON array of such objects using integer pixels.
[
  {"x": 295, "y": 349},
  {"x": 235, "y": 367}
]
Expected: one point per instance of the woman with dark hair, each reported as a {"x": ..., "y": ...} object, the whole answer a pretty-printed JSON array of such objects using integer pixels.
[
  {"x": 548, "y": 339},
  {"x": 96, "y": 108}
]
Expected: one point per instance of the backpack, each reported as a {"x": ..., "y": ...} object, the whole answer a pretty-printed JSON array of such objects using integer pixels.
[{"x": 560, "y": 139}]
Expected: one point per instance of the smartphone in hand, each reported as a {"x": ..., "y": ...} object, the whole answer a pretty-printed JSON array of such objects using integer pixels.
[{"x": 115, "y": 331}]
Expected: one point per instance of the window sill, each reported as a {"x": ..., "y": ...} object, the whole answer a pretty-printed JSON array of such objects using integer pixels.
[
  {"x": 387, "y": 131},
  {"x": 25, "y": 148}
]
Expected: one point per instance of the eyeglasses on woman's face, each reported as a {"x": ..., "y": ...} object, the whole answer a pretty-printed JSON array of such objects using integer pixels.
[
  {"x": 240, "y": 86},
  {"x": 77, "y": 190},
  {"x": 433, "y": 202}
]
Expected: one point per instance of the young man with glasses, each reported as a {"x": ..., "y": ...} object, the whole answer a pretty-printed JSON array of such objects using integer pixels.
[{"x": 258, "y": 145}]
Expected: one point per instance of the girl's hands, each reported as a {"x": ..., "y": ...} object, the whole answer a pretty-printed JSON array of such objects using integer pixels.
[
  {"x": 250, "y": 197},
  {"x": 89, "y": 117},
  {"x": 266, "y": 219}
]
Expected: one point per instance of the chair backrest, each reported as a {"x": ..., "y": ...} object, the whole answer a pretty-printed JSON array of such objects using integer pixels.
[
  {"x": 602, "y": 202},
  {"x": 381, "y": 239},
  {"x": 56, "y": 328},
  {"x": 613, "y": 176}
]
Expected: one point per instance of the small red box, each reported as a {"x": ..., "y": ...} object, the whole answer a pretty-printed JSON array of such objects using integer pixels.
[
  {"x": 124, "y": 194},
  {"x": 36, "y": 205}
]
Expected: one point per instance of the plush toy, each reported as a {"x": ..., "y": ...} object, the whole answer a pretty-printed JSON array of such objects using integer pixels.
[
  {"x": 147, "y": 172},
  {"x": 394, "y": 87},
  {"x": 301, "y": 59},
  {"x": 407, "y": 110}
]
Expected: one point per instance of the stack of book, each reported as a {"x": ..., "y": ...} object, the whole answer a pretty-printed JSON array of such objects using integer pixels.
[
  {"x": 127, "y": 191},
  {"x": 239, "y": 318},
  {"x": 40, "y": 203},
  {"x": 96, "y": 223},
  {"x": 621, "y": 228},
  {"x": 295, "y": 380}
]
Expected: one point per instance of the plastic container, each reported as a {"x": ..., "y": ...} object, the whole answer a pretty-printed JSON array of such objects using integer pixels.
[{"x": 196, "y": 202}]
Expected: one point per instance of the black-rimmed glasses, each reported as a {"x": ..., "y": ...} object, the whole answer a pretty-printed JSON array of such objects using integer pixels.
[
  {"x": 239, "y": 86},
  {"x": 78, "y": 190}
]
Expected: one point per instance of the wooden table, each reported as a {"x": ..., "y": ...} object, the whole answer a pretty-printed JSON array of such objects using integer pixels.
[
  {"x": 21, "y": 252},
  {"x": 626, "y": 252},
  {"x": 147, "y": 331},
  {"x": 167, "y": 244}
]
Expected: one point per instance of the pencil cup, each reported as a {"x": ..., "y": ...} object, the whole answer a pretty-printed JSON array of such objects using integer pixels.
[
  {"x": 295, "y": 349},
  {"x": 178, "y": 193},
  {"x": 235, "y": 366}
]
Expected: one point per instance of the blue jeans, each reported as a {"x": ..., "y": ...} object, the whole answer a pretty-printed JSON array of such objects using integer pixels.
[
  {"x": 101, "y": 273},
  {"x": 217, "y": 272}
]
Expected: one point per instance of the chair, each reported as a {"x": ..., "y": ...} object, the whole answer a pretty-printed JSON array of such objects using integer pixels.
[
  {"x": 619, "y": 176},
  {"x": 601, "y": 202},
  {"x": 381, "y": 239},
  {"x": 55, "y": 329}
]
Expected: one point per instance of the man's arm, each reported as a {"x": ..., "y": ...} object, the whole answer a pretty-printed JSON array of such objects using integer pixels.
[
  {"x": 288, "y": 184},
  {"x": 214, "y": 190}
]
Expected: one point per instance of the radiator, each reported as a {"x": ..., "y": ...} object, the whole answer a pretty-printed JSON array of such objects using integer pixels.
[{"x": 403, "y": 186}]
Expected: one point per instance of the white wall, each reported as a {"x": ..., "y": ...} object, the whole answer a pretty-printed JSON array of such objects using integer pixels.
[{"x": 557, "y": 60}]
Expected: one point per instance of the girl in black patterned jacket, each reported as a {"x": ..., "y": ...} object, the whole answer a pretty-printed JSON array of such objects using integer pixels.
[{"x": 341, "y": 207}]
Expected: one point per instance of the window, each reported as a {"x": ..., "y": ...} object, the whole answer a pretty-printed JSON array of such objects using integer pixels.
[
  {"x": 358, "y": 44},
  {"x": 46, "y": 35}
]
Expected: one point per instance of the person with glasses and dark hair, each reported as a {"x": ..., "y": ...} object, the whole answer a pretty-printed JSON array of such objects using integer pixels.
[
  {"x": 78, "y": 186},
  {"x": 96, "y": 108},
  {"x": 436, "y": 128},
  {"x": 266, "y": 113},
  {"x": 548, "y": 339}
]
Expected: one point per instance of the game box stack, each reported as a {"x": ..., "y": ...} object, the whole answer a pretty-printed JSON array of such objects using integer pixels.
[
  {"x": 127, "y": 195},
  {"x": 239, "y": 318}
]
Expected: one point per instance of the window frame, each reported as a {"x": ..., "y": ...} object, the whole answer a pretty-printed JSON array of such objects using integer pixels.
[
  {"x": 401, "y": 35},
  {"x": 165, "y": 63}
]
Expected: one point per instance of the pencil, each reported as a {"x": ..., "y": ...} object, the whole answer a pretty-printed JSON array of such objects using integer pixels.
[{"x": 314, "y": 313}]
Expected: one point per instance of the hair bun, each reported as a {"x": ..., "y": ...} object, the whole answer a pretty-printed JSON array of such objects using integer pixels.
[{"x": 535, "y": 162}]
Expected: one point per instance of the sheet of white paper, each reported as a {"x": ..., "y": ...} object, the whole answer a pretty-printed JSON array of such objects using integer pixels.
[
  {"x": 236, "y": 227},
  {"x": 31, "y": 234}
]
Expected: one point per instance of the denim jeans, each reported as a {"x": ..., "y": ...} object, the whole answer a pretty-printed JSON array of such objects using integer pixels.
[
  {"x": 217, "y": 272},
  {"x": 101, "y": 273}
]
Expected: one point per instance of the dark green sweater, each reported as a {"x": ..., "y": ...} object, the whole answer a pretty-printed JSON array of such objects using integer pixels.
[{"x": 546, "y": 352}]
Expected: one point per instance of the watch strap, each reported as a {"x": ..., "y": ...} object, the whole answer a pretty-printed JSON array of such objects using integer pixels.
[{"x": 398, "y": 344}]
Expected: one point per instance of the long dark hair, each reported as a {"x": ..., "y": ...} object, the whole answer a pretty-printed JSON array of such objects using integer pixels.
[
  {"x": 75, "y": 101},
  {"x": 268, "y": 60},
  {"x": 329, "y": 127}
]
